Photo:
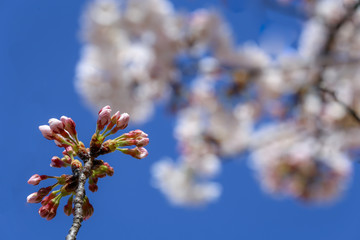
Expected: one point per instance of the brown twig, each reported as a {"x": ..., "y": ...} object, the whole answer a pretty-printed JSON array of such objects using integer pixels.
[
  {"x": 330, "y": 40},
  {"x": 348, "y": 109},
  {"x": 83, "y": 174}
]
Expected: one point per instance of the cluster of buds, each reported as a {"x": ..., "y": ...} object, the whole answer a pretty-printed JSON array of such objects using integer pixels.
[
  {"x": 100, "y": 170},
  {"x": 64, "y": 134},
  {"x": 51, "y": 202}
]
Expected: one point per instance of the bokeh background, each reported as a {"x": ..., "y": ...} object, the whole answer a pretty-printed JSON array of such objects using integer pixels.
[{"x": 39, "y": 50}]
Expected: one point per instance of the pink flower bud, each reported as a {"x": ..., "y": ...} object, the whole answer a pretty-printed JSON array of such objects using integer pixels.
[
  {"x": 57, "y": 162},
  {"x": 142, "y": 142},
  {"x": 137, "y": 152},
  {"x": 33, "y": 198},
  {"x": 48, "y": 198},
  {"x": 52, "y": 213},
  {"x": 69, "y": 125},
  {"x": 104, "y": 118},
  {"x": 123, "y": 121},
  {"x": 36, "y": 179},
  {"x": 36, "y": 197},
  {"x": 47, "y": 132},
  {"x": 56, "y": 125},
  {"x": 44, "y": 210},
  {"x": 135, "y": 134},
  {"x": 69, "y": 150},
  {"x": 115, "y": 117},
  {"x": 107, "y": 169},
  {"x": 49, "y": 210}
]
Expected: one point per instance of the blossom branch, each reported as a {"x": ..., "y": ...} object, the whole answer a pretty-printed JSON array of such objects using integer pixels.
[
  {"x": 348, "y": 109},
  {"x": 330, "y": 40},
  {"x": 79, "y": 197},
  {"x": 64, "y": 134}
]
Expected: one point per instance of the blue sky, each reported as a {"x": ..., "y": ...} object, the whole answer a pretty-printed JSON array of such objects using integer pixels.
[{"x": 39, "y": 49}]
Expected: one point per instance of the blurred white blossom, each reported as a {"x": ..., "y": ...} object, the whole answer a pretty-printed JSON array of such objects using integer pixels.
[{"x": 294, "y": 111}]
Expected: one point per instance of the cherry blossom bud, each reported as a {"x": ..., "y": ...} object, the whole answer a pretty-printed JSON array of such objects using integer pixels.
[
  {"x": 49, "y": 210},
  {"x": 88, "y": 209},
  {"x": 52, "y": 212},
  {"x": 36, "y": 179},
  {"x": 56, "y": 125},
  {"x": 123, "y": 121},
  {"x": 57, "y": 162},
  {"x": 66, "y": 159},
  {"x": 113, "y": 121},
  {"x": 104, "y": 118},
  {"x": 48, "y": 198},
  {"x": 137, "y": 152},
  {"x": 33, "y": 198},
  {"x": 142, "y": 142},
  {"x": 69, "y": 126},
  {"x": 115, "y": 117},
  {"x": 69, "y": 151},
  {"x": 135, "y": 134},
  {"x": 36, "y": 197},
  {"x": 68, "y": 207},
  {"x": 47, "y": 132},
  {"x": 136, "y": 137},
  {"x": 92, "y": 184},
  {"x": 76, "y": 164},
  {"x": 44, "y": 210},
  {"x": 106, "y": 168}
]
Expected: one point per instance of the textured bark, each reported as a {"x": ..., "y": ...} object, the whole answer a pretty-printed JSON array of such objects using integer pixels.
[{"x": 83, "y": 174}]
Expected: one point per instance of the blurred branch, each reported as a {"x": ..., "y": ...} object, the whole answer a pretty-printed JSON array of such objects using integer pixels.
[
  {"x": 333, "y": 30},
  {"x": 348, "y": 109},
  {"x": 335, "y": 61}
]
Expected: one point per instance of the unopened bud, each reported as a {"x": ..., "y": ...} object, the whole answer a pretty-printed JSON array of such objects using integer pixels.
[
  {"x": 66, "y": 159},
  {"x": 137, "y": 152},
  {"x": 36, "y": 179},
  {"x": 56, "y": 125},
  {"x": 104, "y": 118},
  {"x": 48, "y": 198},
  {"x": 76, "y": 164},
  {"x": 56, "y": 162},
  {"x": 121, "y": 123},
  {"x": 36, "y": 197},
  {"x": 47, "y": 132},
  {"x": 142, "y": 142},
  {"x": 88, "y": 209},
  {"x": 68, "y": 207},
  {"x": 69, "y": 125},
  {"x": 93, "y": 187}
]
